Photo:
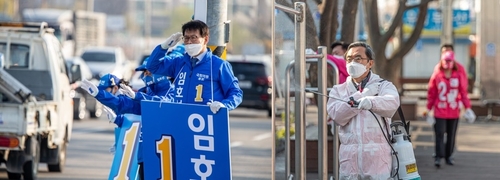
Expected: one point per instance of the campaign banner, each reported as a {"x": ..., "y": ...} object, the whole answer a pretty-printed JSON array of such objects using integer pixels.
[
  {"x": 126, "y": 148},
  {"x": 185, "y": 141},
  {"x": 462, "y": 25}
]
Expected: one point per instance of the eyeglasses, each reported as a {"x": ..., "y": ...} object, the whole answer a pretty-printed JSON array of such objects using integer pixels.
[
  {"x": 192, "y": 38},
  {"x": 356, "y": 59}
]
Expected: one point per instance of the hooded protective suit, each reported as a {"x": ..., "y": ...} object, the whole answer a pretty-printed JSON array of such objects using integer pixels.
[{"x": 364, "y": 152}]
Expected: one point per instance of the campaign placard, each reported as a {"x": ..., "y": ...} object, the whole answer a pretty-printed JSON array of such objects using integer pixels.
[
  {"x": 127, "y": 145},
  {"x": 185, "y": 141}
]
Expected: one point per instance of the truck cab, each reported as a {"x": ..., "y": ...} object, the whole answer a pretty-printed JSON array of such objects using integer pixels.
[{"x": 36, "y": 109}]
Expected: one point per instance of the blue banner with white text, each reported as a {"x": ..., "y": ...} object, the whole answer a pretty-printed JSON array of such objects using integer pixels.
[{"x": 185, "y": 141}]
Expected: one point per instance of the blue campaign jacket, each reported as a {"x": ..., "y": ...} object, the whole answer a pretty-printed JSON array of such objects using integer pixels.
[
  {"x": 122, "y": 104},
  {"x": 194, "y": 84}
]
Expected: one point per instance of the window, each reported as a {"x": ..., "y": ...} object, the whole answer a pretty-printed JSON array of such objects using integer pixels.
[
  {"x": 98, "y": 57},
  {"x": 19, "y": 55}
]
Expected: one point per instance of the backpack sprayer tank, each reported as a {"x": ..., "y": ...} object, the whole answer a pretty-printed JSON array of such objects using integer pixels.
[{"x": 407, "y": 166}]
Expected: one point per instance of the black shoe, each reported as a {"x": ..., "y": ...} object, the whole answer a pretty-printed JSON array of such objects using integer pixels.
[
  {"x": 450, "y": 161},
  {"x": 437, "y": 162}
]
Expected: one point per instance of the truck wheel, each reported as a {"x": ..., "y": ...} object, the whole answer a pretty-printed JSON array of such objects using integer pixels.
[
  {"x": 14, "y": 175},
  {"x": 30, "y": 168},
  {"x": 59, "y": 166},
  {"x": 80, "y": 113},
  {"x": 97, "y": 111}
]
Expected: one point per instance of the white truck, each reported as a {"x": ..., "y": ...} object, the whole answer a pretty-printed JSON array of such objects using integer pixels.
[
  {"x": 75, "y": 30},
  {"x": 36, "y": 110}
]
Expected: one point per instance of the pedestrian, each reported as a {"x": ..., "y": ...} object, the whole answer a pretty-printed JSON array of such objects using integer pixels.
[
  {"x": 337, "y": 57},
  {"x": 200, "y": 77},
  {"x": 460, "y": 67},
  {"x": 365, "y": 152},
  {"x": 444, "y": 90},
  {"x": 118, "y": 100}
]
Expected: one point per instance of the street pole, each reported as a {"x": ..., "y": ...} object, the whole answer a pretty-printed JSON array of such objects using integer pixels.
[
  {"x": 447, "y": 14},
  {"x": 90, "y": 5},
  {"x": 147, "y": 21},
  {"x": 217, "y": 22}
]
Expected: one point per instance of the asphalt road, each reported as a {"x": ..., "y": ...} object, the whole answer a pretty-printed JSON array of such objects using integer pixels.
[{"x": 88, "y": 156}]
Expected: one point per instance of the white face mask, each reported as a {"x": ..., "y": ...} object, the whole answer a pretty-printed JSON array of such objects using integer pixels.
[
  {"x": 338, "y": 56},
  {"x": 355, "y": 69},
  {"x": 193, "y": 49}
]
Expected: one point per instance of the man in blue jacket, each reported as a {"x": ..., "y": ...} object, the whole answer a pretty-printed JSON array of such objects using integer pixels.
[
  {"x": 120, "y": 101},
  {"x": 199, "y": 76}
]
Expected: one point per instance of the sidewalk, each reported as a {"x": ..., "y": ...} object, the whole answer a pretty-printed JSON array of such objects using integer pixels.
[{"x": 477, "y": 154}]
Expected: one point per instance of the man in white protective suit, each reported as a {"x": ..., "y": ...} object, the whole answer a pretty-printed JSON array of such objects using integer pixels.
[{"x": 364, "y": 152}]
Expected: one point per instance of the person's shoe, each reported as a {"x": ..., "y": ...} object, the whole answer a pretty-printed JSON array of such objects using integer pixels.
[
  {"x": 450, "y": 161},
  {"x": 437, "y": 162}
]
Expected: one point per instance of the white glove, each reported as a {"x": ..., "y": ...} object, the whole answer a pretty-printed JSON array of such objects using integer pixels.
[
  {"x": 365, "y": 104},
  {"x": 89, "y": 87},
  {"x": 371, "y": 90},
  {"x": 215, "y": 106},
  {"x": 430, "y": 119},
  {"x": 111, "y": 114},
  {"x": 112, "y": 149},
  {"x": 172, "y": 40},
  {"x": 127, "y": 90},
  {"x": 469, "y": 115}
]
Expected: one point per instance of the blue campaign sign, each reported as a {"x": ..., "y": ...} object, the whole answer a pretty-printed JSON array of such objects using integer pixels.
[
  {"x": 127, "y": 144},
  {"x": 185, "y": 141},
  {"x": 433, "y": 22}
]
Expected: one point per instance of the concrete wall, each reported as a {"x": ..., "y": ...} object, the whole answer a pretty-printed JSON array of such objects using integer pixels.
[
  {"x": 420, "y": 62},
  {"x": 487, "y": 49}
]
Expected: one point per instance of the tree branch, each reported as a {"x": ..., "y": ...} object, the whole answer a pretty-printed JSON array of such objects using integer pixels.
[
  {"x": 285, "y": 3},
  {"x": 415, "y": 34},
  {"x": 395, "y": 23},
  {"x": 371, "y": 21}
]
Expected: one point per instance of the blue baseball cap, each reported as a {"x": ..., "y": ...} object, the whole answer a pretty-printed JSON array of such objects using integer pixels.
[
  {"x": 179, "y": 49},
  {"x": 108, "y": 80},
  {"x": 142, "y": 67}
]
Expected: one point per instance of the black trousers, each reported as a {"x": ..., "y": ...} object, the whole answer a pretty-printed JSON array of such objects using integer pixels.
[{"x": 442, "y": 126}]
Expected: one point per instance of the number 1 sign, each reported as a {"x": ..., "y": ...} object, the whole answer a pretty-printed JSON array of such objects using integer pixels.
[{"x": 185, "y": 141}]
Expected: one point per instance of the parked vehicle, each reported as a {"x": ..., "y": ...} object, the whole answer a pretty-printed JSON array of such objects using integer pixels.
[
  {"x": 35, "y": 109},
  {"x": 255, "y": 79},
  {"x": 74, "y": 29},
  {"x": 82, "y": 101},
  {"x": 104, "y": 60}
]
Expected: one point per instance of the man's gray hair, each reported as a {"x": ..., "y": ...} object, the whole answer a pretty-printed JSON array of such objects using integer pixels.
[{"x": 368, "y": 49}]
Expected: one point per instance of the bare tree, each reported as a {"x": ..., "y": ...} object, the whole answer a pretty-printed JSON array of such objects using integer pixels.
[
  {"x": 312, "y": 40},
  {"x": 349, "y": 12},
  {"x": 389, "y": 67},
  {"x": 328, "y": 23}
]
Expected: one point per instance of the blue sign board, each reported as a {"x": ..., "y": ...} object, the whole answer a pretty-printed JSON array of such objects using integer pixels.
[
  {"x": 433, "y": 22},
  {"x": 127, "y": 144},
  {"x": 185, "y": 141}
]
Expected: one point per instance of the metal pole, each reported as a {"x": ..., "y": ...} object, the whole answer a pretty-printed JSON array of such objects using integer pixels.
[
  {"x": 300, "y": 78},
  {"x": 147, "y": 21},
  {"x": 287, "y": 120},
  {"x": 288, "y": 70},
  {"x": 90, "y": 5},
  {"x": 322, "y": 135},
  {"x": 273, "y": 96},
  {"x": 447, "y": 14},
  {"x": 216, "y": 17},
  {"x": 336, "y": 152}
]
